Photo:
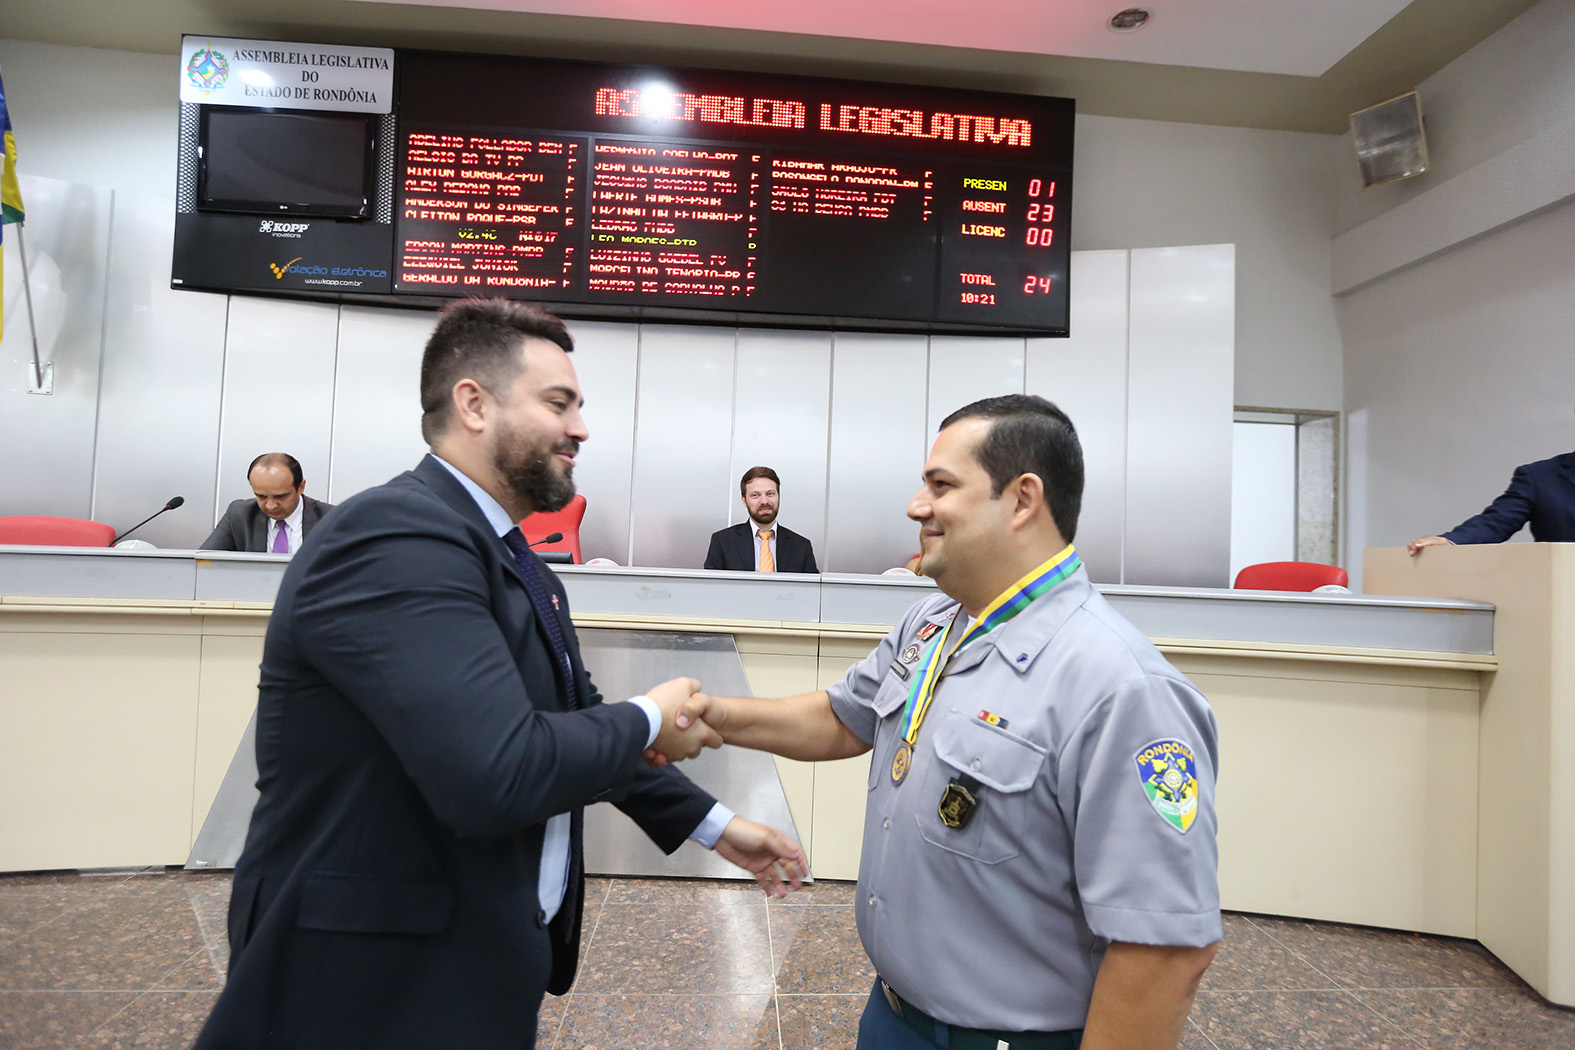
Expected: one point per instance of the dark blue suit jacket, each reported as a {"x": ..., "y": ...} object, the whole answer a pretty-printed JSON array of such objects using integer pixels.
[
  {"x": 411, "y": 743},
  {"x": 734, "y": 548},
  {"x": 1542, "y": 493}
]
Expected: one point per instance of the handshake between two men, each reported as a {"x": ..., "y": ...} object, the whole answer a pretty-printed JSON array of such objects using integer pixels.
[
  {"x": 799, "y": 727},
  {"x": 803, "y": 727},
  {"x": 776, "y": 861}
]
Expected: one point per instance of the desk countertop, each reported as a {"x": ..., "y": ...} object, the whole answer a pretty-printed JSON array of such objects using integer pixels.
[{"x": 1169, "y": 613}]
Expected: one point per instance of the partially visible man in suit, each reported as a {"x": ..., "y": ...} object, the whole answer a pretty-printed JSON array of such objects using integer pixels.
[
  {"x": 760, "y": 544},
  {"x": 279, "y": 516},
  {"x": 427, "y": 737},
  {"x": 1541, "y": 494}
]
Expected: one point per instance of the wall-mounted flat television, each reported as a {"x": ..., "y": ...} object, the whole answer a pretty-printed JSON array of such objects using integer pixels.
[{"x": 277, "y": 162}]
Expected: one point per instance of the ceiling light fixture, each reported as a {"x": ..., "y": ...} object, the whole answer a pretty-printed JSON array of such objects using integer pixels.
[{"x": 1130, "y": 19}]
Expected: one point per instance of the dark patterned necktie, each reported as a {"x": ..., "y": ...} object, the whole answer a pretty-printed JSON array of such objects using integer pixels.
[
  {"x": 544, "y": 601},
  {"x": 546, "y": 605}
]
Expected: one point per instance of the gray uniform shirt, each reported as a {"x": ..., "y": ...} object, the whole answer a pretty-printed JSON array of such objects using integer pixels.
[{"x": 1002, "y": 923}]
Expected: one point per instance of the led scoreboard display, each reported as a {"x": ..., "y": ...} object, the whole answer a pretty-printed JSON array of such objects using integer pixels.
[{"x": 662, "y": 192}]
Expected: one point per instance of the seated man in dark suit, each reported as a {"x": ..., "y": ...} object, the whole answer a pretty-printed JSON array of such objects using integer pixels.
[
  {"x": 760, "y": 544},
  {"x": 1541, "y": 493},
  {"x": 279, "y": 516}
]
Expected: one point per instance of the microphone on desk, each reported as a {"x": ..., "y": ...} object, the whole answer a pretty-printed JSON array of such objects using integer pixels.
[
  {"x": 551, "y": 537},
  {"x": 175, "y": 501}
]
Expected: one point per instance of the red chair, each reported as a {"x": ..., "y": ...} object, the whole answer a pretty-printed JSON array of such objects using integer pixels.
[
  {"x": 544, "y": 523},
  {"x": 1289, "y": 576},
  {"x": 39, "y": 531}
]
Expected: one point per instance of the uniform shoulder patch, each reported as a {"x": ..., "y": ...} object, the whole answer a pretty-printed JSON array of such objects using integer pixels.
[{"x": 1168, "y": 772}]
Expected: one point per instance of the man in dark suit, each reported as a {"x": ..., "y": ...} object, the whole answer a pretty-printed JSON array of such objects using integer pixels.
[
  {"x": 760, "y": 544},
  {"x": 427, "y": 737},
  {"x": 279, "y": 516},
  {"x": 1541, "y": 493}
]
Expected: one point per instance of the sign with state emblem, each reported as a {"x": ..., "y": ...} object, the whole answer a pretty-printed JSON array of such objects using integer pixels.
[
  {"x": 268, "y": 74},
  {"x": 1168, "y": 773}
]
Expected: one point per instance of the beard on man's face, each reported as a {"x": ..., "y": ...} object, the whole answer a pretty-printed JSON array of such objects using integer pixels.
[{"x": 532, "y": 473}]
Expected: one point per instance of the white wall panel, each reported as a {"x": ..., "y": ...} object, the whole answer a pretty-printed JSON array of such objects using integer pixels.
[
  {"x": 68, "y": 127},
  {"x": 1145, "y": 183},
  {"x": 278, "y": 390},
  {"x": 1180, "y": 408},
  {"x": 781, "y": 419},
  {"x": 683, "y": 431},
  {"x": 878, "y": 445},
  {"x": 158, "y": 425},
  {"x": 606, "y": 357},
  {"x": 964, "y": 369},
  {"x": 67, "y": 245},
  {"x": 1263, "y": 494},
  {"x": 1086, "y": 375},
  {"x": 377, "y": 400}
]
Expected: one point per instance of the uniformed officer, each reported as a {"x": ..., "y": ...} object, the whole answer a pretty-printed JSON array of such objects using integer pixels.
[{"x": 1039, "y": 861}]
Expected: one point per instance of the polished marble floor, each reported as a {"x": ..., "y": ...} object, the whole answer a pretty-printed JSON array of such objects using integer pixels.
[{"x": 135, "y": 960}]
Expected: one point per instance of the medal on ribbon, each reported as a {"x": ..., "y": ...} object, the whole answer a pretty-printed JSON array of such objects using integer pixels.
[{"x": 900, "y": 762}]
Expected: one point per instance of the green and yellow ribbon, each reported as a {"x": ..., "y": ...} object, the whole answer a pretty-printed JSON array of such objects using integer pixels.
[{"x": 1008, "y": 604}]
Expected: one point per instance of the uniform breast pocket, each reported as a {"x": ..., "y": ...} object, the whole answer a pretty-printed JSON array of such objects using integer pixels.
[
  {"x": 888, "y": 701},
  {"x": 976, "y": 789}
]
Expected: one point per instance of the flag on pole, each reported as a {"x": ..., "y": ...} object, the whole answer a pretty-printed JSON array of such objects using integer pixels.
[{"x": 10, "y": 192}]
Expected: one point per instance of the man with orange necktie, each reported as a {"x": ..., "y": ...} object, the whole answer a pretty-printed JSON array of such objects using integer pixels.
[{"x": 760, "y": 544}]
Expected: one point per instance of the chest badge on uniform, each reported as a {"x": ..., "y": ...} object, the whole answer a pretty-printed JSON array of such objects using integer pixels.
[
  {"x": 928, "y": 631},
  {"x": 900, "y": 763},
  {"x": 1168, "y": 772},
  {"x": 957, "y": 805},
  {"x": 910, "y": 654}
]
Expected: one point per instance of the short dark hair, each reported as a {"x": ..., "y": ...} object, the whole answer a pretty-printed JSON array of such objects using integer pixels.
[
  {"x": 278, "y": 459},
  {"x": 479, "y": 339},
  {"x": 1029, "y": 435},
  {"x": 758, "y": 472}
]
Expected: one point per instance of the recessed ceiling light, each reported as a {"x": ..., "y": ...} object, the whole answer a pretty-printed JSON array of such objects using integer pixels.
[{"x": 1130, "y": 19}]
